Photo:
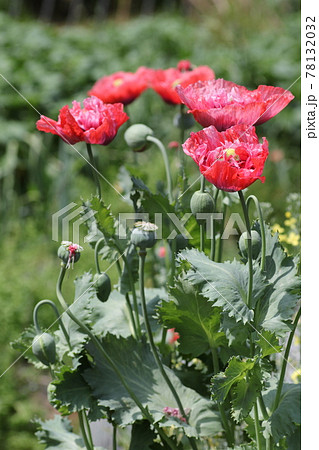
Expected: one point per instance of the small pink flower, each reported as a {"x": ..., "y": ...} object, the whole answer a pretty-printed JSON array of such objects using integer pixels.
[
  {"x": 173, "y": 144},
  {"x": 172, "y": 336},
  {"x": 162, "y": 252}
]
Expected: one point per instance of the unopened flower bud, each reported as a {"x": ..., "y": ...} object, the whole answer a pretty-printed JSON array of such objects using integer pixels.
[
  {"x": 102, "y": 284},
  {"x": 136, "y": 137},
  {"x": 255, "y": 243},
  {"x": 144, "y": 235},
  {"x": 202, "y": 203},
  {"x": 43, "y": 347},
  {"x": 180, "y": 241},
  {"x": 69, "y": 252},
  {"x": 184, "y": 121}
]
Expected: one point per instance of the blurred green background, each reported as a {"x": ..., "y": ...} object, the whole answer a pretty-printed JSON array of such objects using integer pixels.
[{"x": 53, "y": 56}]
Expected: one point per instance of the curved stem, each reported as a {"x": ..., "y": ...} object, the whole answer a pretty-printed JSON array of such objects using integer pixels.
[
  {"x": 142, "y": 255},
  {"x": 167, "y": 167},
  {"x": 284, "y": 364},
  {"x": 82, "y": 427},
  {"x": 262, "y": 229},
  {"x": 55, "y": 309},
  {"x": 250, "y": 259},
  {"x": 108, "y": 359},
  {"x": 96, "y": 254},
  {"x": 93, "y": 170}
]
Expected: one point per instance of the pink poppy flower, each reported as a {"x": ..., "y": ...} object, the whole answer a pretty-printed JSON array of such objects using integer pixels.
[
  {"x": 122, "y": 87},
  {"x": 164, "y": 82},
  {"x": 231, "y": 160},
  {"x": 223, "y": 104},
  {"x": 96, "y": 123}
]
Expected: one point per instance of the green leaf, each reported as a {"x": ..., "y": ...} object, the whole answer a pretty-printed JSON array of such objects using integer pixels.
[
  {"x": 194, "y": 317},
  {"x": 245, "y": 393},
  {"x": 104, "y": 217},
  {"x": 268, "y": 343},
  {"x": 71, "y": 393},
  {"x": 225, "y": 284},
  {"x": 24, "y": 345},
  {"x": 81, "y": 307},
  {"x": 57, "y": 434},
  {"x": 136, "y": 363},
  {"x": 236, "y": 371},
  {"x": 284, "y": 419},
  {"x": 142, "y": 437},
  {"x": 281, "y": 296}
]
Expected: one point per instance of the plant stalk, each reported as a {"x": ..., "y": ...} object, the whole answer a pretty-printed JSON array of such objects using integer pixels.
[
  {"x": 93, "y": 170},
  {"x": 161, "y": 147},
  {"x": 262, "y": 229},
  {"x": 250, "y": 259}
]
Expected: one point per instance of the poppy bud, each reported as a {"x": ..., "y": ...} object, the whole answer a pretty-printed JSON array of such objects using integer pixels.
[
  {"x": 201, "y": 202},
  {"x": 184, "y": 121},
  {"x": 102, "y": 284},
  {"x": 144, "y": 236},
  {"x": 181, "y": 242},
  {"x": 43, "y": 347},
  {"x": 255, "y": 243},
  {"x": 135, "y": 137},
  {"x": 69, "y": 252}
]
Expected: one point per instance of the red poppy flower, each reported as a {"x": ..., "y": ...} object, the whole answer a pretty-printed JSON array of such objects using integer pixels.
[
  {"x": 164, "y": 82},
  {"x": 121, "y": 87},
  {"x": 231, "y": 160},
  {"x": 96, "y": 123},
  {"x": 223, "y": 104}
]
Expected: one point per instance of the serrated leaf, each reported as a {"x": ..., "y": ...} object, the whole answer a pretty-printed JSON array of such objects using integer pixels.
[
  {"x": 225, "y": 284},
  {"x": 194, "y": 318},
  {"x": 81, "y": 308},
  {"x": 284, "y": 419},
  {"x": 24, "y": 345},
  {"x": 104, "y": 217},
  {"x": 142, "y": 437},
  {"x": 268, "y": 343},
  {"x": 136, "y": 363},
  {"x": 73, "y": 394},
  {"x": 57, "y": 434},
  {"x": 236, "y": 371},
  {"x": 282, "y": 293},
  {"x": 245, "y": 393}
]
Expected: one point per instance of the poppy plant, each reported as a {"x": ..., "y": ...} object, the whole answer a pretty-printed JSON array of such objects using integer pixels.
[
  {"x": 96, "y": 123},
  {"x": 121, "y": 87},
  {"x": 164, "y": 82},
  {"x": 231, "y": 160},
  {"x": 223, "y": 103}
]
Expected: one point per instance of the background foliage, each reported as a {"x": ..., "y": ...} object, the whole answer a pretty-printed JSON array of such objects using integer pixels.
[{"x": 51, "y": 65}]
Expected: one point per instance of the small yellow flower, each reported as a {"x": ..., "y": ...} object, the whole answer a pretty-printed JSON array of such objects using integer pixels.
[
  {"x": 288, "y": 214},
  {"x": 296, "y": 376},
  {"x": 277, "y": 228},
  {"x": 290, "y": 222},
  {"x": 293, "y": 239}
]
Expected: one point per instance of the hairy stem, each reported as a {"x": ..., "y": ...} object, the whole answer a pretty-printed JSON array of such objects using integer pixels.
[{"x": 93, "y": 170}]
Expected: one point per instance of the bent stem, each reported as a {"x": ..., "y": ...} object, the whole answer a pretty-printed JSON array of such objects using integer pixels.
[
  {"x": 55, "y": 309},
  {"x": 284, "y": 364},
  {"x": 161, "y": 147},
  {"x": 250, "y": 259},
  {"x": 96, "y": 254},
  {"x": 108, "y": 359},
  {"x": 93, "y": 170},
  {"x": 142, "y": 256},
  {"x": 262, "y": 229}
]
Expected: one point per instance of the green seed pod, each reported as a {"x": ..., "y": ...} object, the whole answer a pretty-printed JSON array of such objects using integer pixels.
[
  {"x": 102, "y": 284},
  {"x": 143, "y": 239},
  {"x": 181, "y": 242},
  {"x": 43, "y": 347},
  {"x": 201, "y": 203},
  {"x": 184, "y": 121},
  {"x": 135, "y": 137},
  {"x": 255, "y": 244}
]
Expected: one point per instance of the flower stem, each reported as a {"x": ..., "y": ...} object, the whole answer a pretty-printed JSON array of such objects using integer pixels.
[
  {"x": 250, "y": 259},
  {"x": 213, "y": 239},
  {"x": 93, "y": 169},
  {"x": 166, "y": 163},
  {"x": 257, "y": 428},
  {"x": 220, "y": 243},
  {"x": 142, "y": 256},
  {"x": 109, "y": 360},
  {"x": 284, "y": 364},
  {"x": 202, "y": 225},
  {"x": 114, "y": 444},
  {"x": 262, "y": 229},
  {"x": 96, "y": 254},
  {"x": 83, "y": 432},
  {"x": 55, "y": 309}
]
